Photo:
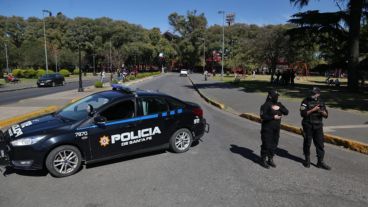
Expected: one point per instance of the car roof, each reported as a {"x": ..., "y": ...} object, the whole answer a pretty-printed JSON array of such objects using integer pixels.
[{"x": 116, "y": 94}]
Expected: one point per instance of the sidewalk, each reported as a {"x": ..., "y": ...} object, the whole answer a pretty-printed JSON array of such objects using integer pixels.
[
  {"x": 19, "y": 86},
  {"x": 340, "y": 123}
]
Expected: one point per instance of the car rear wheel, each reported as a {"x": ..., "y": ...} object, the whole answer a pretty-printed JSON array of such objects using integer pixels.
[
  {"x": 181, "y": 141},
  {"x": 63, "y": 161}
]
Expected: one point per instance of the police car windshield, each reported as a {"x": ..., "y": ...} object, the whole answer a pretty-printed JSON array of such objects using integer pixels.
[{"x": 79, "y": 110}]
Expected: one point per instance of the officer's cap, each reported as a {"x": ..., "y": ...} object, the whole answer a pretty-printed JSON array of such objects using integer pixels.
[{"x": 273, "y": 93}]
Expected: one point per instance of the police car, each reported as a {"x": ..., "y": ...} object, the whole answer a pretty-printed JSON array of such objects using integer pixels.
[{"x": 102, "y": 126}]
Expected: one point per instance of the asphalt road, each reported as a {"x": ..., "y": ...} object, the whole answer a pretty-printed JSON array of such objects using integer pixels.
[
  {"x": 15, "y": 96},
  {"x": 220, "y": 171}
]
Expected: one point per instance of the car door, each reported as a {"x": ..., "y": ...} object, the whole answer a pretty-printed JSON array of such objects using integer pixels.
[
  {"x": 152, "y": 112},
  {"x": 112, "y": 138}
]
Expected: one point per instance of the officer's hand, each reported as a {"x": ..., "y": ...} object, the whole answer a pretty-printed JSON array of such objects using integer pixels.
[
  {"x": 316, "y": 108},
  {"x": 277, "y": 117},
  {"x": 275, "y": 107}
]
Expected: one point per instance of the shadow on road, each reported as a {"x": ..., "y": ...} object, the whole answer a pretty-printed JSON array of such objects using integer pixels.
[
  {"x": 250, "y": 155},
  {"x": 285, "y": 154},
  {"x": 132, "y": 157},
  {"x": 31, "y": 173},
  {"x": 245, "y": 152}
]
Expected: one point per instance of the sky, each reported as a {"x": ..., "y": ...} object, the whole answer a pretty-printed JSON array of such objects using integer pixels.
[{"x": 154, "y": 13}]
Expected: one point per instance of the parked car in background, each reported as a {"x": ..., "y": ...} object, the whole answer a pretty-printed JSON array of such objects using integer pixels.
[{"x": 51, "y": 80}]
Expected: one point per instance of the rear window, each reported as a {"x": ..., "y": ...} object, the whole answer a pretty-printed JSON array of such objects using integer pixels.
[
  {"x": 152, "y": 105},
  {"x": 175, "y": 104}
]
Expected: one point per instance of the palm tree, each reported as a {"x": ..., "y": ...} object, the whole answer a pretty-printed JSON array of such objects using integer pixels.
[{"x": 355, "y": 15}]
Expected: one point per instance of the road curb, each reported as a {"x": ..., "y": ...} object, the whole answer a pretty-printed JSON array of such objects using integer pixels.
[
  {"x": 23, "y": 117},
  {"x": 209, "y": 100},
  {"x": 329, "y": 138},
  {"x": 50, "y": 109}
]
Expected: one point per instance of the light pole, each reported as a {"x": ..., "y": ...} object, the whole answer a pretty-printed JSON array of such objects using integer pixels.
[
  {"x": 80, "y": 88},
  {"x": 44, "y": 35},
  {"x": 94, "y": 64},
  {"x": 6, "y": 57},
  {"x": 223, "y": 42}
]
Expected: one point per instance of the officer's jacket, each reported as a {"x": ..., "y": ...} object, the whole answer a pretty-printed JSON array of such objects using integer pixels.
[
  {"x": 314, "y": 117},
  {"x": 268, "y": 113}
]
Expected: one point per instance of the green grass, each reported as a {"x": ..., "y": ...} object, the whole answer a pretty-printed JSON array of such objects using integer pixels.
[{"x": 334, "y": 97}]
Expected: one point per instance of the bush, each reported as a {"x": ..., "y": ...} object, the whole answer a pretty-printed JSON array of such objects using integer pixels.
[
  {"x": 114, "y": 81},
  {"x": 29, "y": 73},
  {"x": 132, "y": 77},
  {"x": 98, "y": 84},
  {"x": 64, "y": 72},
  {"x": 41, "y": 72},
  {"x": 17, "y": 73},
  {"x": 76, "y": 71}
]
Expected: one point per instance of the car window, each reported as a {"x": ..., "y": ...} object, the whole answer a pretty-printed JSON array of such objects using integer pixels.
[
  {"x": 152, "y": 105},
  {"x": 121, "y": 110},
  {"x": 175, "y": 104},
  {"x": 79, "y": 110}
]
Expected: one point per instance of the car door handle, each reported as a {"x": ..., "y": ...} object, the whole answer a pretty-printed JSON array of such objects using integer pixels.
[{"x": 128, "y": 126}]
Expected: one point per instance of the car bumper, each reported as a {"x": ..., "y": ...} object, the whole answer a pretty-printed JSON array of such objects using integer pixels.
[
  {"x": 200, "y": 129},
  {"x": 44, "y": 84},
  {"x": 23, "y": 158}
]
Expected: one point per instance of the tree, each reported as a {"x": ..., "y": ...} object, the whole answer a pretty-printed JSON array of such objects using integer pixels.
[{"x": 354, "y": 13}]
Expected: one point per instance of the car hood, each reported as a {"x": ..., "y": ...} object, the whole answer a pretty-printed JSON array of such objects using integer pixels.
[{"x": 43, "y": 125}]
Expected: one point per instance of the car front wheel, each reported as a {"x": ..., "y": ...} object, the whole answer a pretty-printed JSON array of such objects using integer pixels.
[
  {"x": 181, "y": 140},
  {"x": 64, "y": 161}
]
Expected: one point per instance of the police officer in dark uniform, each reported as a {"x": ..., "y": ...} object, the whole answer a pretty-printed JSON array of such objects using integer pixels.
[
  {"x": 271, "y": 114},
  {"x": 313, "y": 110}
]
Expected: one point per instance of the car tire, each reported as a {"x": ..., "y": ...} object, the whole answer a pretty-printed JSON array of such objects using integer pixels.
[
  {"x": 63, "y": 161},
  {"x": 53, "y": 84},
  {"x": 181, "y": 141}
]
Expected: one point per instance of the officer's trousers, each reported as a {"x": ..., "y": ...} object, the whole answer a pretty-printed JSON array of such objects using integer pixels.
[
  {"x": 315, "y": 133},
  {"x": 270, "y": 135}
]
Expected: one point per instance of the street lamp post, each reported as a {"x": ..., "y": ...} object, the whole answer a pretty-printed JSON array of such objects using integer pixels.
[
  {"x": 44, "y": 35},
  {"x": 161, "y": 56},
  {"x": 80, "y": 88},
  {"x": 94, "y": 64},
  {"x": 223, "y": 43},
  {"x": 6, "y": 57}
]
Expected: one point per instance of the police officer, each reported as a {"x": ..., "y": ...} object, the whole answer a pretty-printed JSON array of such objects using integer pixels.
[
  {"x": 271, "y": 114},
  {"x": 313, "y": 110}
]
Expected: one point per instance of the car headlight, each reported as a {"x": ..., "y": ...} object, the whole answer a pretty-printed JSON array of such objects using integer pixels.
[{"x": 27, "y": 141}]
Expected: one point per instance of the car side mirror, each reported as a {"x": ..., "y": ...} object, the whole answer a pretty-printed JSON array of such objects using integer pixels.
[{"x": 100, "y": 120}]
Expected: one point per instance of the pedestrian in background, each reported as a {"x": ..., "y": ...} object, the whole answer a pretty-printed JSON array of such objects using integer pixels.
[
  {"x": 271, "y": 114},
  {"x": 102, "y": 76},
  {"x": 313, "y": 110}
]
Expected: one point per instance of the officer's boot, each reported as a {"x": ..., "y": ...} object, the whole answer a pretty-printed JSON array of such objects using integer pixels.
[
  {"x": 322, "y": 165},
  {"x": 270, "y": 162},
  {"x": 264, "y": 162},
  {"x": 307, "y": 161}
]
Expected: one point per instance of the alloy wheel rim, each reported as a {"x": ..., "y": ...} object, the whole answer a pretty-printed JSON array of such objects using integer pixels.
[
  {"x": 182, "y": 141},
  {"x": 65, "y": 161}
]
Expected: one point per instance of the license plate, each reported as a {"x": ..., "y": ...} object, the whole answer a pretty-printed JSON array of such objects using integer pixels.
[{"x": 42, "y": 84}]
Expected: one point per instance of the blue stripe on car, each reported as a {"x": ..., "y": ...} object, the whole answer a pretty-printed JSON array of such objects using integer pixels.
[{"x": 153, "y": 116}]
